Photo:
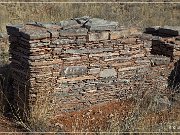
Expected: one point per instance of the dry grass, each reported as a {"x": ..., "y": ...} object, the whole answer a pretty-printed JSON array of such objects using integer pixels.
[
  {"x": 126, "y": 14},
  {"x": 146, "y": 114},
  {"x": 143, "y": 114},
  {"x": 139, "y": 114}
]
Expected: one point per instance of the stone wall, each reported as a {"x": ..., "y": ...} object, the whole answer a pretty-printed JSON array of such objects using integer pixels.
[{"x": 80, "y": 62}]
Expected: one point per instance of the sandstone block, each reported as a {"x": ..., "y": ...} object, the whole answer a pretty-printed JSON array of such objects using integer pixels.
[
  {"x": 176, "y": 53},
  {"x": 108, "y": 73},
  {"x": 77, "y": 79},
  {"x": 132, "y": 68},
  {"x": 117, "y": 34},
  {"x": 98, "y": 36}
]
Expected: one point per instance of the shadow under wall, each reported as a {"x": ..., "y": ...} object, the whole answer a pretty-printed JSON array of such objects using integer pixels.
[
  {"x": 174, "y": 78},
  {"x": 6, "y": 89},
  {"x": 161, "y": 48}
]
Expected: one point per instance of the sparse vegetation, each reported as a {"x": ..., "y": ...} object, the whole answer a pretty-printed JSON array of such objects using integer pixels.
[
  {"x": 126, "y": 14},
  {"x": 138, "y": 114},
  {"x": 145, "y": 114}
]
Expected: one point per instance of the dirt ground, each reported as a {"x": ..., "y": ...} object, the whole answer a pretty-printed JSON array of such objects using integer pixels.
[
  {"x": 102, "y": 117},
  {"x": 92, "y": 119},
  {"x": 96, "y": 118},
  {"x": 7, "y": 126}
]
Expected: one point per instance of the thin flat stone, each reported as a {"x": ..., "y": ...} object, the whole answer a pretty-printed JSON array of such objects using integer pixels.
[
  {"x": 73, "y": 32},
  {"x": 44, "y": 25},
  {"x": 89, "y": 51},
  {"x": 74, "y": 70},
  {"x": 31, "y": 35},
  {"x": 96, "y": 24},
  {"x": 63, "y": 41}
]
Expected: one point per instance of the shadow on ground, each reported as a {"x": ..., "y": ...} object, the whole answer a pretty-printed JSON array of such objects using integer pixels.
[
  {"x": 6, "y": 88},
  {"x": 174, "y": 77}
]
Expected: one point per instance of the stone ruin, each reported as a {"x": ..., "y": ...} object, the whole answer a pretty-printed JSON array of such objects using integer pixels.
[{"x": 80, "y": 62}]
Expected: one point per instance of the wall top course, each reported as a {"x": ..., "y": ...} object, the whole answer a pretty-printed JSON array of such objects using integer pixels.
[{"x": 73, "y": 27}]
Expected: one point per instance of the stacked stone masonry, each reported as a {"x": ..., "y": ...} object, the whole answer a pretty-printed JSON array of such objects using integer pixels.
[{"x": 80, "y": 62}]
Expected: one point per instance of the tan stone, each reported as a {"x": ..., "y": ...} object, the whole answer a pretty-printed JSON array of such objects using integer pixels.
[
  {"x": 43, "y": 63},
  {"x": 176, "y": 53},
  {"x": 98, "y": 36},
  {"x": 122, "y": 64},
  {"x": 132, "y": 68},
  {"x": 63, "y": 79},
  {"x": 103, "y": 54}
]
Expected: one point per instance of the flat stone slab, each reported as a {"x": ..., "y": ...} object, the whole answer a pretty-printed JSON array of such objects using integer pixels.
[
  {"x": 96, "y": 24},
  {"x": 63, "y": 41},
  {"x": 73, "y": 32},
  {"x": 68, "y": 24},
  {"x": 74, "y": 70},
  {"x": 31, "y": 35},
  {"x": 44, "y": 25}
]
